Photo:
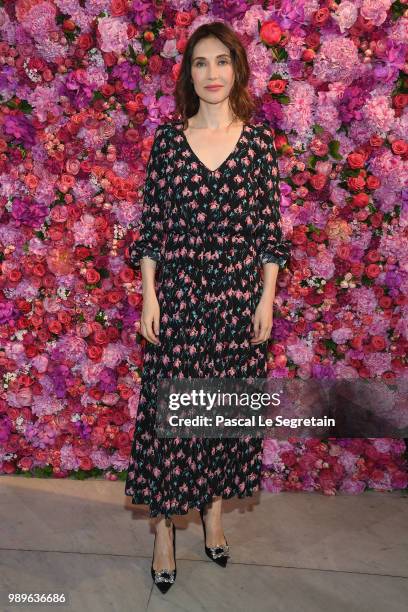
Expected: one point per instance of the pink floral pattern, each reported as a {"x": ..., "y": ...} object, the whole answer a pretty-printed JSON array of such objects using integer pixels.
[{"x": 210, "y": 232}]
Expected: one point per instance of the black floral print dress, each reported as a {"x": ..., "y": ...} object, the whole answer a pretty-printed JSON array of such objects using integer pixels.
[{"x": 210, "y": 232}]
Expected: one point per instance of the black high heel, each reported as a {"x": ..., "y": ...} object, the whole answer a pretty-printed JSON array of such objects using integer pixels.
[
  {"x": 165, "y": 578},
  {"x": 219, "y": 554}
]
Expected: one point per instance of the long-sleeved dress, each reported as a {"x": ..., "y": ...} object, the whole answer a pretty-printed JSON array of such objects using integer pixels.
[{"x": 210, "y": 232}]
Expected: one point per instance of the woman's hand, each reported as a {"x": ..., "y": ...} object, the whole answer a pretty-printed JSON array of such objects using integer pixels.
[
  {"x": 149, "y": 324},
  {"x": 262, "y": 320}
]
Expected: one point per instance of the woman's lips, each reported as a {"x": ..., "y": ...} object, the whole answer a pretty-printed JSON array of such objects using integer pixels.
[{"x": 214, "y": 87}]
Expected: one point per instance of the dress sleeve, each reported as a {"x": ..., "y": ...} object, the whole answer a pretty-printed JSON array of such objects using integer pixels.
[
  {"x": 151, "y": 238},
  {"x": 273, "y": 248}
]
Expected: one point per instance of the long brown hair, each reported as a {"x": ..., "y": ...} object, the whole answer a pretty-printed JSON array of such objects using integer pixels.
[{"x": 241, "y": 102}]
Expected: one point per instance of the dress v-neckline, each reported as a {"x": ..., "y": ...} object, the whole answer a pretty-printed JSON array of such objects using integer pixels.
[{"x": 237, "y": 144}]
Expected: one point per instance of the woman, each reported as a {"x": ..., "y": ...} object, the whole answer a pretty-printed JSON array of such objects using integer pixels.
[{"x": 210, "y": 222}]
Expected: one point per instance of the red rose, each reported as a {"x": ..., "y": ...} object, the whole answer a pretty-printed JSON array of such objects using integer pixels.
[
  {"x": 95, "y": 353},
  {"x": 181, "y": 45},
  {"x": 311, "y": 249},
  {"x": 372, "y": 270},
  {"x": 109, "y": 58},
  {"x": 107, "y": 90},
  {"x": 312, "y": 40},
  {"x": 321, "y": 16},
  {"x": 318, "y": 181},
  {"x": 25, "y": 463},
  {"x": 175, "y": 69},
  {"x": 114, "y": 297},
  {"x": 31, "y": 351},
  {"x": 357, "y": 269},
  {"x": 356, "y": 183},
  {"x": 300, "y": 178},
  {"x": 357, "y": 342},
  {"x": 280, "y": 141},
  {"x": 55, "y": 327},
  {"x": 308, "y": 55},
  {"x": 85, "y": 42},
  {"x": 92, "y": 276},
  {"x": 376, "y": 220},
  {"x": 14, "y": 275},
  {"x": 385, "y": 302},
  {"x": 360, "y": 200},
  {"x": 131, "y": 31},
  {"x": 101, "y": 337},
  {"x": 38, "y": 269},
  {"x": 7, "y": 467},
  {"x": 373, "y": 182},
  {"x": 399, "y": 147},
  {"x": 64, "y": 317},
  {"x": 299, "y": 235},
  {"x": 378, "y": 343},
  {"x": 277, "y": 86},
  {"x": 270, "y": 33},
  {"x": 118, "y": 8},
  {"x": 155, "y": 64},
  {"x": 400, "y": 100},
  {"x": 355, "y": 160},
  {"x": 183, "y": 19},
  {"x": 373, "y": 255},
  {"x": 86, "y": 464}
]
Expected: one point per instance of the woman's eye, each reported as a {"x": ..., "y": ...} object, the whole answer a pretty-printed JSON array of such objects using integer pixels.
[{"x": 201, "y": 63}]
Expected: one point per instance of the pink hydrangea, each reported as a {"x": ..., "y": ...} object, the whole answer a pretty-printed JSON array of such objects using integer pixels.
[
  {"x": 298, "y": 114},
  {"x": 342, "y": 335},
  {"x": 375, "y": 10},
  {"x": 113, "y": 34},
  {"x": 84, "y": 230},
  {"x": 364, "y": 299},
  {"x": 379, "y": 114},
  {"x": 40, "y": 21},
  {"x": 378, "y": 363},
  {"x": 299, "y": 352},
  {"x": 345, "y": 15},
  {"x": 337, "y": 60}
]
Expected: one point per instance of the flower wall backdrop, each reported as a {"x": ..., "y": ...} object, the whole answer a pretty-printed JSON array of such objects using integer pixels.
[{"x": 83, "y": 86}]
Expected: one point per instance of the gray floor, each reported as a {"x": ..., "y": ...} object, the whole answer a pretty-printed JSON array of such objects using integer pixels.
[{"x": 290, "y": 552}]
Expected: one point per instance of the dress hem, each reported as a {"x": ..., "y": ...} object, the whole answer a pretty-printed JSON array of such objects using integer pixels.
[{"x": 194, "y": 504}]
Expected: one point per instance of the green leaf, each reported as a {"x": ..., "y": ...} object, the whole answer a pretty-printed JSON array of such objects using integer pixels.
[
  {"x": 283, "y": 99},
  {"x": 104, "y": 272},
  {"x": 317, "y": 129},
  {"x": 25, "y": 107},
  {"x": 334, "y": 146},
  {"x": 132, "y": 53}
]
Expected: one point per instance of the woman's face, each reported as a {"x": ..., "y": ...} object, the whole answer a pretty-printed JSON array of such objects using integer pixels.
[{"x": 211, "y": 64}]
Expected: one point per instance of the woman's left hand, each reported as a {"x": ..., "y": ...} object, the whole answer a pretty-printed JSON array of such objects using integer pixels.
[{"x": 262, "y": 321}]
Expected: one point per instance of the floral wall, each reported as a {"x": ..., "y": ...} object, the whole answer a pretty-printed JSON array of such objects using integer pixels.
[{"x": 83, "y": 86}]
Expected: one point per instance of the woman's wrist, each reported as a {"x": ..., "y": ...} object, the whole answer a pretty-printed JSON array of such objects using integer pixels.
[{"x": 268, "y": 295}]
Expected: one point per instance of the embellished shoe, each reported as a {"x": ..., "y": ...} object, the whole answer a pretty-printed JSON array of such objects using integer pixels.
[
  {"x": 165, "y": 578},
  {"x": 219, "y": 554}
]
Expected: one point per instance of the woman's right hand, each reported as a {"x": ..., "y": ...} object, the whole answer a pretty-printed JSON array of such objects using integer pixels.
[{"x": 150, "y": 321}]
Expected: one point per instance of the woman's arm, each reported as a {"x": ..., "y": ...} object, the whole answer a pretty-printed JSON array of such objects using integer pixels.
[
  {"x": 149, "y": 246},
  {"x": 274, "y": 250},
  {"x": 147, "y": 251}
]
